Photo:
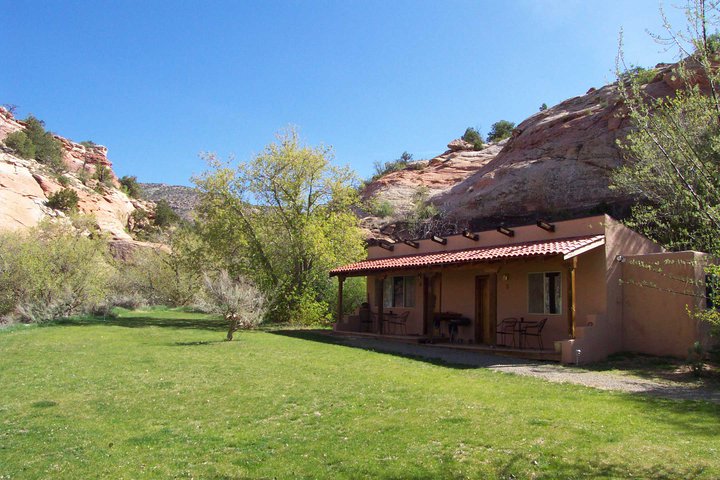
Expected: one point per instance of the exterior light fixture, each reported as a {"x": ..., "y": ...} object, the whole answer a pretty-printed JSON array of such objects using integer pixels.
[
  {"x": 411, "y": 243},
  {"x": 506, "y": 231},
  {"x": 550, "y": 227},
  {"x": 440, "y": 240},
  {"x": 620, "y": 259},
  {"x": 506, "y": 277},
  {"x": 387, "y": 246},
  {"x": 472, "y": 236}
]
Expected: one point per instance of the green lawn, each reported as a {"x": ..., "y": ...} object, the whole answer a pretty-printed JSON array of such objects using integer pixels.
[{"x": 160, "y": 395}]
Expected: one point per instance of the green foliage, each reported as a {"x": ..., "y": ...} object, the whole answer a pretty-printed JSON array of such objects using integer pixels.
[
  {"x": 51, "y": 272},
  {"x": 165, "y": 216},
  {"x": 130, "y": 186},
  {"x": 382, "y": 169},
  {"x": 104, "y": 176},
  {"x": 696, "y": 358},
  {"x": 473, "y": 136},
  {"x": 65, "y": 200},
  {"x": 639, "y": 75},
  {"x": 21, "y": 144},
  {"x": 282, "y": 219},
  {"x": 62, "y": 180},
  {"x": 159, "y": 277},
  {"x": 543, "y": 107},
  {"x": 48, "y": 150},
  {"x": 379, "y": 208},
  {"x": 88, "y": 143},
  {"x": 422, "y": 211},
  {"x": 500, "y": 130}
]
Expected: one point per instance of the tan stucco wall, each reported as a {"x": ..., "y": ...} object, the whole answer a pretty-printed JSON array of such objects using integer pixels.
[{"x": 655, "y": 296}]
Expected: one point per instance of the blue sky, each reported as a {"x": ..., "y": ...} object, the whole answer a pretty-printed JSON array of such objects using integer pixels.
[{"x": 160, "y": 82}]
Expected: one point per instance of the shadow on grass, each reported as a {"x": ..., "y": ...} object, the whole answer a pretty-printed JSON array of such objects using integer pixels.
[
  {"x": 423, "y": 353},
  {"x": 677, "y": 404},
  {"x": 214, "y": 325}
]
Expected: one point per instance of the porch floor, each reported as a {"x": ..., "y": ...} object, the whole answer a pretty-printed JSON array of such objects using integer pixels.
[{"x": 526, "y": 353}]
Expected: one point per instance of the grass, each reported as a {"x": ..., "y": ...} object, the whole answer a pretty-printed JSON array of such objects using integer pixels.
[{"x": 158, "y": 394}]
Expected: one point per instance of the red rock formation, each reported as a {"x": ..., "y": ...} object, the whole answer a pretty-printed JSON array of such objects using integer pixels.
[
  {"x": 556, "y": 164},
  {"x": 25, "y": 186}
]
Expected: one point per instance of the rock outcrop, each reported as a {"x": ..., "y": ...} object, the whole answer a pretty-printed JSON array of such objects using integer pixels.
[
  {"x": 182, "y": 199},
  {"x": 556, "y": 164},
  {"x": 25, "y": 186}
]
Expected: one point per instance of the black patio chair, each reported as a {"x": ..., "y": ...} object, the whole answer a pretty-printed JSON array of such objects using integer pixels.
[
  {"x": 507, "y": 327},
  {"x": 532, "y": 329}
]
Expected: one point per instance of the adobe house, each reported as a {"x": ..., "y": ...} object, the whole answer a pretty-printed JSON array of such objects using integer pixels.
[{"x": 599, "y": 287}]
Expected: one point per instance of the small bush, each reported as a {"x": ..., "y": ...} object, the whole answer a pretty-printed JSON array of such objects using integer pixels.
[
  {"x": 65, "y": 200},
  {"x": 103, "y": 175},
  {"x": 88, "y": 143},
  {"x": 165, "y": 216},
  {"x": 543, "y": 107},
  {"x": 237, "y": 300},
  {"x": 382, "y": 169},
  {"x": 473, "y": 136},
  {"x": 640, "y": 75},
  {"x": 20, "y": 144},
  {"x": 62, "y": 180},
  {"x": 380, "y": 208},
  {"x": 500, "y": 130},
  {"x": 130, "y": 186}
]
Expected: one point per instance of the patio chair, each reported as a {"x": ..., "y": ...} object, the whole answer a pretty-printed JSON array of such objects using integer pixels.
[
  {"x": 398, "y": 322},
  {"x": 507, "y": 327},
  {"x": 532, "y": 329}
]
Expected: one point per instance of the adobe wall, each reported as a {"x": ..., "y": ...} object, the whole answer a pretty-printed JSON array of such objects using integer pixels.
[{"x": 657, "y": 290}]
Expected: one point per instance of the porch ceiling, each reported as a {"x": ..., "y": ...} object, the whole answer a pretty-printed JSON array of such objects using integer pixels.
[{"x": 568, "y": 247}]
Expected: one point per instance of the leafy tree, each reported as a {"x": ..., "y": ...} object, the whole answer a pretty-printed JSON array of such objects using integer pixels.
[
  {"x": 543, "y": 107},
  {"x": 282, "y": 219},
  {"x": 165, "y": 216},
  {"x": 21, "y": 144},
  {"x": 48, "y": 149},
  {"x": 103, "y": 175},
  {"x": 65, "y": 200},
  {"x": 473, "y": 136},
  {"x": 130, "y": 186},
  {"x": 673, "y": 155},
  {"x": 500, "y": 130}
]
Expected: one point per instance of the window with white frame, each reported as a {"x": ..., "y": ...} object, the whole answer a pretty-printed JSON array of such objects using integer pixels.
[
  {"x": 545, "y": 293},
  {"x": 399, "y": 292}
]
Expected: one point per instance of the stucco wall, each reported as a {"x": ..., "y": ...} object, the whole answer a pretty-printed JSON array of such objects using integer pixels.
[{"x": 656, "y": 292}]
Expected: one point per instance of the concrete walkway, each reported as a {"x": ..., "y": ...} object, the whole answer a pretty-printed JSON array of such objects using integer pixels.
[{"x": 551, "y": 372}]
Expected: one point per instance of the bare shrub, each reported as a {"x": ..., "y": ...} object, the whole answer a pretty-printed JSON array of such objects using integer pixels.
[{"x": 237, "y": 300}]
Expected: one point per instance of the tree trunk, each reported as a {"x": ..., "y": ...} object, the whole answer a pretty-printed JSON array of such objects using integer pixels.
[{"x": 233, "y": 326}]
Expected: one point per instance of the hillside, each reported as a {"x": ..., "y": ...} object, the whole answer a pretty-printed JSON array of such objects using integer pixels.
[
  {"x": 556, "y": 165},
  {"x": 25, "y": 186},
  {"x": 182, "y": 199}
]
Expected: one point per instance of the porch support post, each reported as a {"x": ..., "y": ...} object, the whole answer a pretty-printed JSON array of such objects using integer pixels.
[
  {"x": 571, "y": 299},
  {"x": 381, "y": 301},
  {"x": 341, "y": 280}
]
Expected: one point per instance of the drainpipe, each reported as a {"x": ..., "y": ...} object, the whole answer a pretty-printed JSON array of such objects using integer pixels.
[
  {"x": 341, "y": 280},
  {"x": 571, "y": 300}
]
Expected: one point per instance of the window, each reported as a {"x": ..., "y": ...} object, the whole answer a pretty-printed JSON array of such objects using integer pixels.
[
  {"x": 399, "y": 292},
  {"x": 545, "y": 293}
]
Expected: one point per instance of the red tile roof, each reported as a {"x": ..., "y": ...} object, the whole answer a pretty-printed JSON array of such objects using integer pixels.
[{"x": 561, "y": 246}]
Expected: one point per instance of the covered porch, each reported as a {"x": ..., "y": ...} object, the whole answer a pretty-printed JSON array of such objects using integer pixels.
[{"x": 517, "y": 300}]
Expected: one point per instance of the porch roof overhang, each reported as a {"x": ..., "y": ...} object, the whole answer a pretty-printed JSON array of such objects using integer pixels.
[{"x": 567, "y": 247}]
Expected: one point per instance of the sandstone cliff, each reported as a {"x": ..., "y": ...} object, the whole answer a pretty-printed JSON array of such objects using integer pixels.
[
  {"x": 25, "y": 186},
  {"x": 557, "y": 164}
]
